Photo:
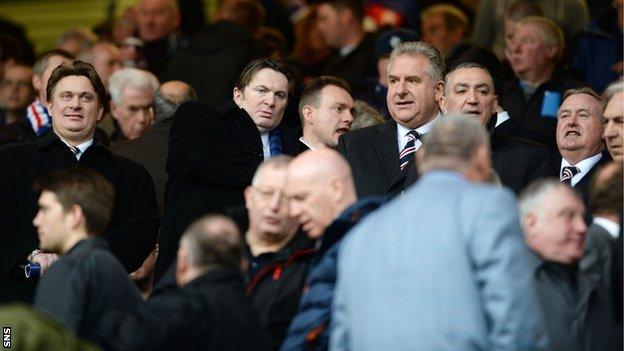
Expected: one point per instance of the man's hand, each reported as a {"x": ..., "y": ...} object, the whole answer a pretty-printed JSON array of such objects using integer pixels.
[{"x": 45, "y": 260}]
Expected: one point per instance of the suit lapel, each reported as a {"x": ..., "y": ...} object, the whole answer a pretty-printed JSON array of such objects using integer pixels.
[{"x": 385, "y": 145}]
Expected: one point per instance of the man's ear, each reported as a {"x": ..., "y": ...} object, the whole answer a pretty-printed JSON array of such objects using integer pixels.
[
  {"x": 528, "y": 223},
  {"x": 237, "y": 95},
  {"x": 113, "y": 108},
  {"x": 247, "y": 193},
  {"x": 76, "y": 216},
  {"x": 36, "y": 82},
  {"x": 337, "y": 187},
  {"x": 100, "y": 113},
  {"x": 551, "y": 51},
  {"x": 443, "y": 105},
  {"x": 439, "y": 91},
  {"x": 308, "y": 114}
]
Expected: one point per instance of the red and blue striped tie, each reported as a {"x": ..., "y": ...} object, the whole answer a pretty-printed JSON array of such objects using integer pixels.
[{"x": 407, "y": 154}]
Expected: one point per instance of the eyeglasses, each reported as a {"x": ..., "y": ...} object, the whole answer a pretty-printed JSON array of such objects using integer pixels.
[{"x": 266, "y": 195}]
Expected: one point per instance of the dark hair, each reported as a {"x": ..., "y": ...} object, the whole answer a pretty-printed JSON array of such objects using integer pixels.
[
  {"x": 255, "y": 66},
  {"x": 77, "y": 68},
  {"x": 85, "y": 188},
  {"x": 310, "y": 94},
  {"x": 605, "y": 195},
  {"x": 356, "y": 6},
  {"x": 490, "y": 62}
]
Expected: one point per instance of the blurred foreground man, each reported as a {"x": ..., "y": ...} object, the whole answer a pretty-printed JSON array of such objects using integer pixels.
[
  {"x": 407, "y": 280},
  {"x": 578, "y": 310}
]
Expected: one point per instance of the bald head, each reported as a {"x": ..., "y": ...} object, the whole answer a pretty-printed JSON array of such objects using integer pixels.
[
  {"x": 211, "y": 241},
  {"x": 169, "y": 96},
  {"x": 320, "y": 186}
]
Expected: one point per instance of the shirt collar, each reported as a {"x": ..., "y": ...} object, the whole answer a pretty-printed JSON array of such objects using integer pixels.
[
  {"x": 424, "y": 129},
  {"x": 610, "y": 226},
  {"x": 584, "y": 166},
  {"x": 266, "y": 149},
  {"x": 305, "y": 143},
  {"x": 501, "y": 118}
]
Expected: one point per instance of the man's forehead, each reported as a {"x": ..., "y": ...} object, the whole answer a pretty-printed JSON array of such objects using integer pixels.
[
  {"x": 414, "y": 64},
  {"x": 75, "y": 84},
  {"x": 579, "y": 102},
  {"x": 471, "y": 76}
]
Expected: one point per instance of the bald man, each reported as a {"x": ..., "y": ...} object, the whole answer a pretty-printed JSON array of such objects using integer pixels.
[
  {"x": 151, "y": 148},
  {"x": 322, "y": 197}
]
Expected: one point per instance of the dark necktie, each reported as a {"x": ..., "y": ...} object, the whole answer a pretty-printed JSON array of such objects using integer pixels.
[
  {"x": 567, "y": 173},
  {"x": 275, "y": 142},
  {"x": 407, "y": 154},
  {"x": 76, "y": 151}
]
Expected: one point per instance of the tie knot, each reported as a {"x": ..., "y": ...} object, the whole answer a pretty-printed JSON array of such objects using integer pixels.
[
  {"x": 413, "y": 135},
  {"x": 568, "y": 172}
]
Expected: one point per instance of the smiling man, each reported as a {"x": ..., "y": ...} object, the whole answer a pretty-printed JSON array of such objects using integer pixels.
[
  {"x": 75, "y": 97},
  {"x": 326, "y": 111},
  {"x": 382, "y": 156},
  {"x": 579, "y": 138},
  {"x": 469, "y": 90},
  {"x": 213, "y": 154}
]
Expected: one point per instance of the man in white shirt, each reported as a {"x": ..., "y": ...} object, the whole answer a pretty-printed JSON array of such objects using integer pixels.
[
  {"x": 579, "y": 138},
  {"x": 326, "y": 111}
]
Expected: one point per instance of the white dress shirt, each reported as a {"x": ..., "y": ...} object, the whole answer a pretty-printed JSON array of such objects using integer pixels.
[{"x": 584, "y": 166}]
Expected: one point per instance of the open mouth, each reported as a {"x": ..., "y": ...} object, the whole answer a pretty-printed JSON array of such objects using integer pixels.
[
  {"x": 572, "y": 133},
  {"x": 472, "y": 113},
  {"x": 342, "y": 130}
]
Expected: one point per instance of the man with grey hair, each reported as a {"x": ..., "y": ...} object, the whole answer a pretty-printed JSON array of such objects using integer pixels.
[
  {"x": 382, "y": 156},
  {"x": 468, "y": 277},
  {"x": 469, "y": 90},
  {"x": 208, "y": 310},
  {"x": 578, "y": 311},
  {"x": 151, "y": 148},
  {"x": 579, "y": 139},
  {"x": 132, "y": 95},
  {"x": 612, "y": 121},
  {"x": 535, "y": 93}
]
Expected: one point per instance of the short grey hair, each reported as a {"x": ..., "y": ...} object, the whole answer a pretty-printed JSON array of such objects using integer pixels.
[
  {"x": 277, "y": 162},
  {"x": 531, "y": 197},
  {"x": 452, "y": 143},
  {"x": 213, "y": 240},
  {"x": 414, "y": 48},
  {"x": 135, "y": 77},
  {"x": 612, "y": 89}
]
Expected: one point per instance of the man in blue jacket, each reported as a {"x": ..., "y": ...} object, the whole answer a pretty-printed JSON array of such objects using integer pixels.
[{"x": 321, "y": 192}]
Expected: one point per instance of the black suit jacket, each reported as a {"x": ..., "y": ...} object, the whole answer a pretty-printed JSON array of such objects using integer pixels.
[
  {"x": 131, "y": 232},
  {"x": 209, "y": 313},
  {"x": 212, "y": 157},
  {"x": 519, "y": 162},
  {"x": 150, "y": 150},
  {"x": 373, "y": 154}
]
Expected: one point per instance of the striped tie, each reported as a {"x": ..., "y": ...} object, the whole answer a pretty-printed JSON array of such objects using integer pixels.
[
  {"x": 76, "y": 151},
  {"x": 408, "y": 151},
  {"x": 567, "y": 173}
]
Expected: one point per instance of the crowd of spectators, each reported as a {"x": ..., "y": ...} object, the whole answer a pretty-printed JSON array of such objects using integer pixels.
[{"x": 316, "y": 174}]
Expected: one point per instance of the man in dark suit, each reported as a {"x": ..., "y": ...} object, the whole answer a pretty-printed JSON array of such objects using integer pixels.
[
  {"x": 382, "y": 156},
  {"x": 75, "y": 98},
  {"x": 208, "y": 310},
  {"x": 151, "y": 148},
  {"x": 213, "y": 154},
  {"x": 469, "y": 90},
  {"x": 340, "y": 24},
  {"x": 579, "y": 138}
]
